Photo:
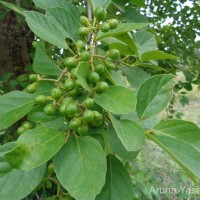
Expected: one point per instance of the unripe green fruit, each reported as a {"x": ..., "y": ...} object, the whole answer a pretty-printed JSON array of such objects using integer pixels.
[
  {"x": 73, "y": 73},
  {"x": 101, "y": 87},
  {"x": 99, "y": 68},
  {"x": 33, "y": 77},
  {"x": 50, "y": 169},
  {"x": 109, "y": 64},
  {"x": 80, "y": 45},
  {"x": 56, "y": 93},
  {"x": 83, "y": 130},
  {"x": 75, "y": 92},
  {"x": 62, "y": 108},
  {"x": 88, "y": 116},
  {"x": 32, "y": 87},
  {"x": 70, "y": 62},
  {"x": 113, "y": 23},
  {"x": 67, "y": 100},
  {"x": 76, "y": 2},
  {"x": 21, "y": 130},
  {"x": 114, "y": 54},
  {"x": 75, "y": 123},
  {"x": 100, "y": 13},
  {"x": 83, "y": 31},
  {"x": 88, "y": 103},
  {"x": 93, "y": 77},
  {"x": 85, "y": 56},
  {"x": 84, "y": 21},
  {"x": 48, "y": 184},
  {"x": 105, "y": 27},
  {"x": 96, "y": 123},
  {"x": 34, "y": 43},
  {"x": 71, "y": 109},
  {"x": 69, "y": 84},
  {"x": 98, "y": 116},
  {"x": 41, "y": 99},
  {"x": 49, "y": 109},
  {"x": 128, "y": 165},
  {"x": 27, "y": 125}
]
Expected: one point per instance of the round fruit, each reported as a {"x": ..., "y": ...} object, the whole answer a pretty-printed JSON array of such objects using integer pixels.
[
  {"x": 101, "y": 87},
  {"x": 75, "y": 2},
  {"x": 41, "y": 99},
  {"x": 83, "y": 130},
  {"x": 71, "y": 109},
  {"x": 80, "y": 45},
  {"x": 49, "y": 109},
  {"x": 33, "y": 77},
  {"x": 34, "y": 43},
  {"x": 113, "y": 23},
  {"x": 32, "y": 87},
  {"x": 21, "y": 130},
  {"x": 99, "y": 68},
  {"x": 75, "y": 92},
  {"x": 27, "y": 125},
  {"x": 62, "y": 108},
  {"x": 98, "y": 116},
  {"x": 69, "y": 84},
  {"x": 83, "y": 31},
  {"x": 114, "y": 54},
  {"x": 48, "y": 184},
  {"x": 105, "y": 27},
  {"x": 70, "y": 62},
  {"x": 75, "y": 123},
  {"x": 109, "y": 64},
  {"x": 100, "y": 13},
  {"x": 73, "y": 73},
  {"x": 88, "y": 116},
  {"x": 84, "y": 20},
  {"x": 96, "y": 123},
  {"x": 93, "y": 77},
  {"x": 88, "y": 103},
  {"x": 56, "y": 93},
  {"x": 67, "y": 100},
  {"x": 85, "y": 56},
  {"x": 50, "y": 169},
  {"x": 128, "y": 165}
]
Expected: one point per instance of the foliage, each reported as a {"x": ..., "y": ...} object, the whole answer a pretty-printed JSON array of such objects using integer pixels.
[{"x": 87, "y": 105}]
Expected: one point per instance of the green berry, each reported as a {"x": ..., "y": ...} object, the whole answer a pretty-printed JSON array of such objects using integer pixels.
[
  {"x": 75, "y": 123},
  {"x": 50, "y": 169},
  {"x": 109, "y": 64},
  {"x": 83, "y": 31},
  {"x": 32, "y": 87},
  {"x": 62, "y": 108},
  {"x": 101, "y": 87},
  {"x": 27, "y": 125},
  {"x": 99, "y": 68},
  {"x": 85, "y": 56},
  {"x": 70, "y": 62},
  {"x": 100, "y": 13},
  {"x": 80, "y": 45},
  {"x": 21, "y": 130},
  {"x": 84, "y": 21},
  {"x": 73, "y": 73},
  {"x": 48, "y": 184},
  {"x": 56, "y": 93},
  {"x": 41, "y": 99},
  {"x": 88, "y": 116},
  {"x": 75, "y": 92},
  {"x": 49, "y": 109},
  {"x": 69, "y": 84},
  {"x": 71, "y": 109},
  {"x": 98, "y": 116},
  {"x": 88, "y": 103},
  {"x": 83, "y": 130},
  {"x": 113, "y": 23},
  {"x": 67, "y": 100},
  {"x": 33, "y": 77},
  {"x": 105, "y": 27},
  {"x": 96, "y": 123},
  {"x": 114, "y": 54},
  {"x": 93, "y": 77},
  {"x": 34, "y": 44}
]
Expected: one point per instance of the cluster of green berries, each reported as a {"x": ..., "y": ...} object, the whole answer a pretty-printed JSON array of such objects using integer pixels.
[
  {"x": 80, "y": 114},
  {"x": 25, "y": 126}
]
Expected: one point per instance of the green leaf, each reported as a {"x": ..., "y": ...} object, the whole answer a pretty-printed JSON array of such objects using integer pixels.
[
  {"x": 96, "y": 3},
  {"x": 44, "y": 4},
  {"x": 154, "y": 95},
  {"x": 117, "y": 99},
  {"x": 68, "y": 18},
  {"x": 135, "y": 76},
  {"x": 118, "y": 184},
  {"x": 44, "y": 29},
  {"x": 133, "y": 16},
  {"x": 16, "y": 184},
  {"x": 117, "y": 146},
  {"x": 118, "y": 78},
  {"x": 157, "y": 55},
  {"x": 81, "y": 167},
  {"x": 130, "y": 134},
  {"x": 82, "y": 73},
  {"x": 13, "y": 7},
  {"x": 35, "y": 147},
  {"x": 122, "y": 28},
  {"x": 181, "y": 140},
  {"x": 42, "y": 64},
  {"x": 13, "y": 106}
]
